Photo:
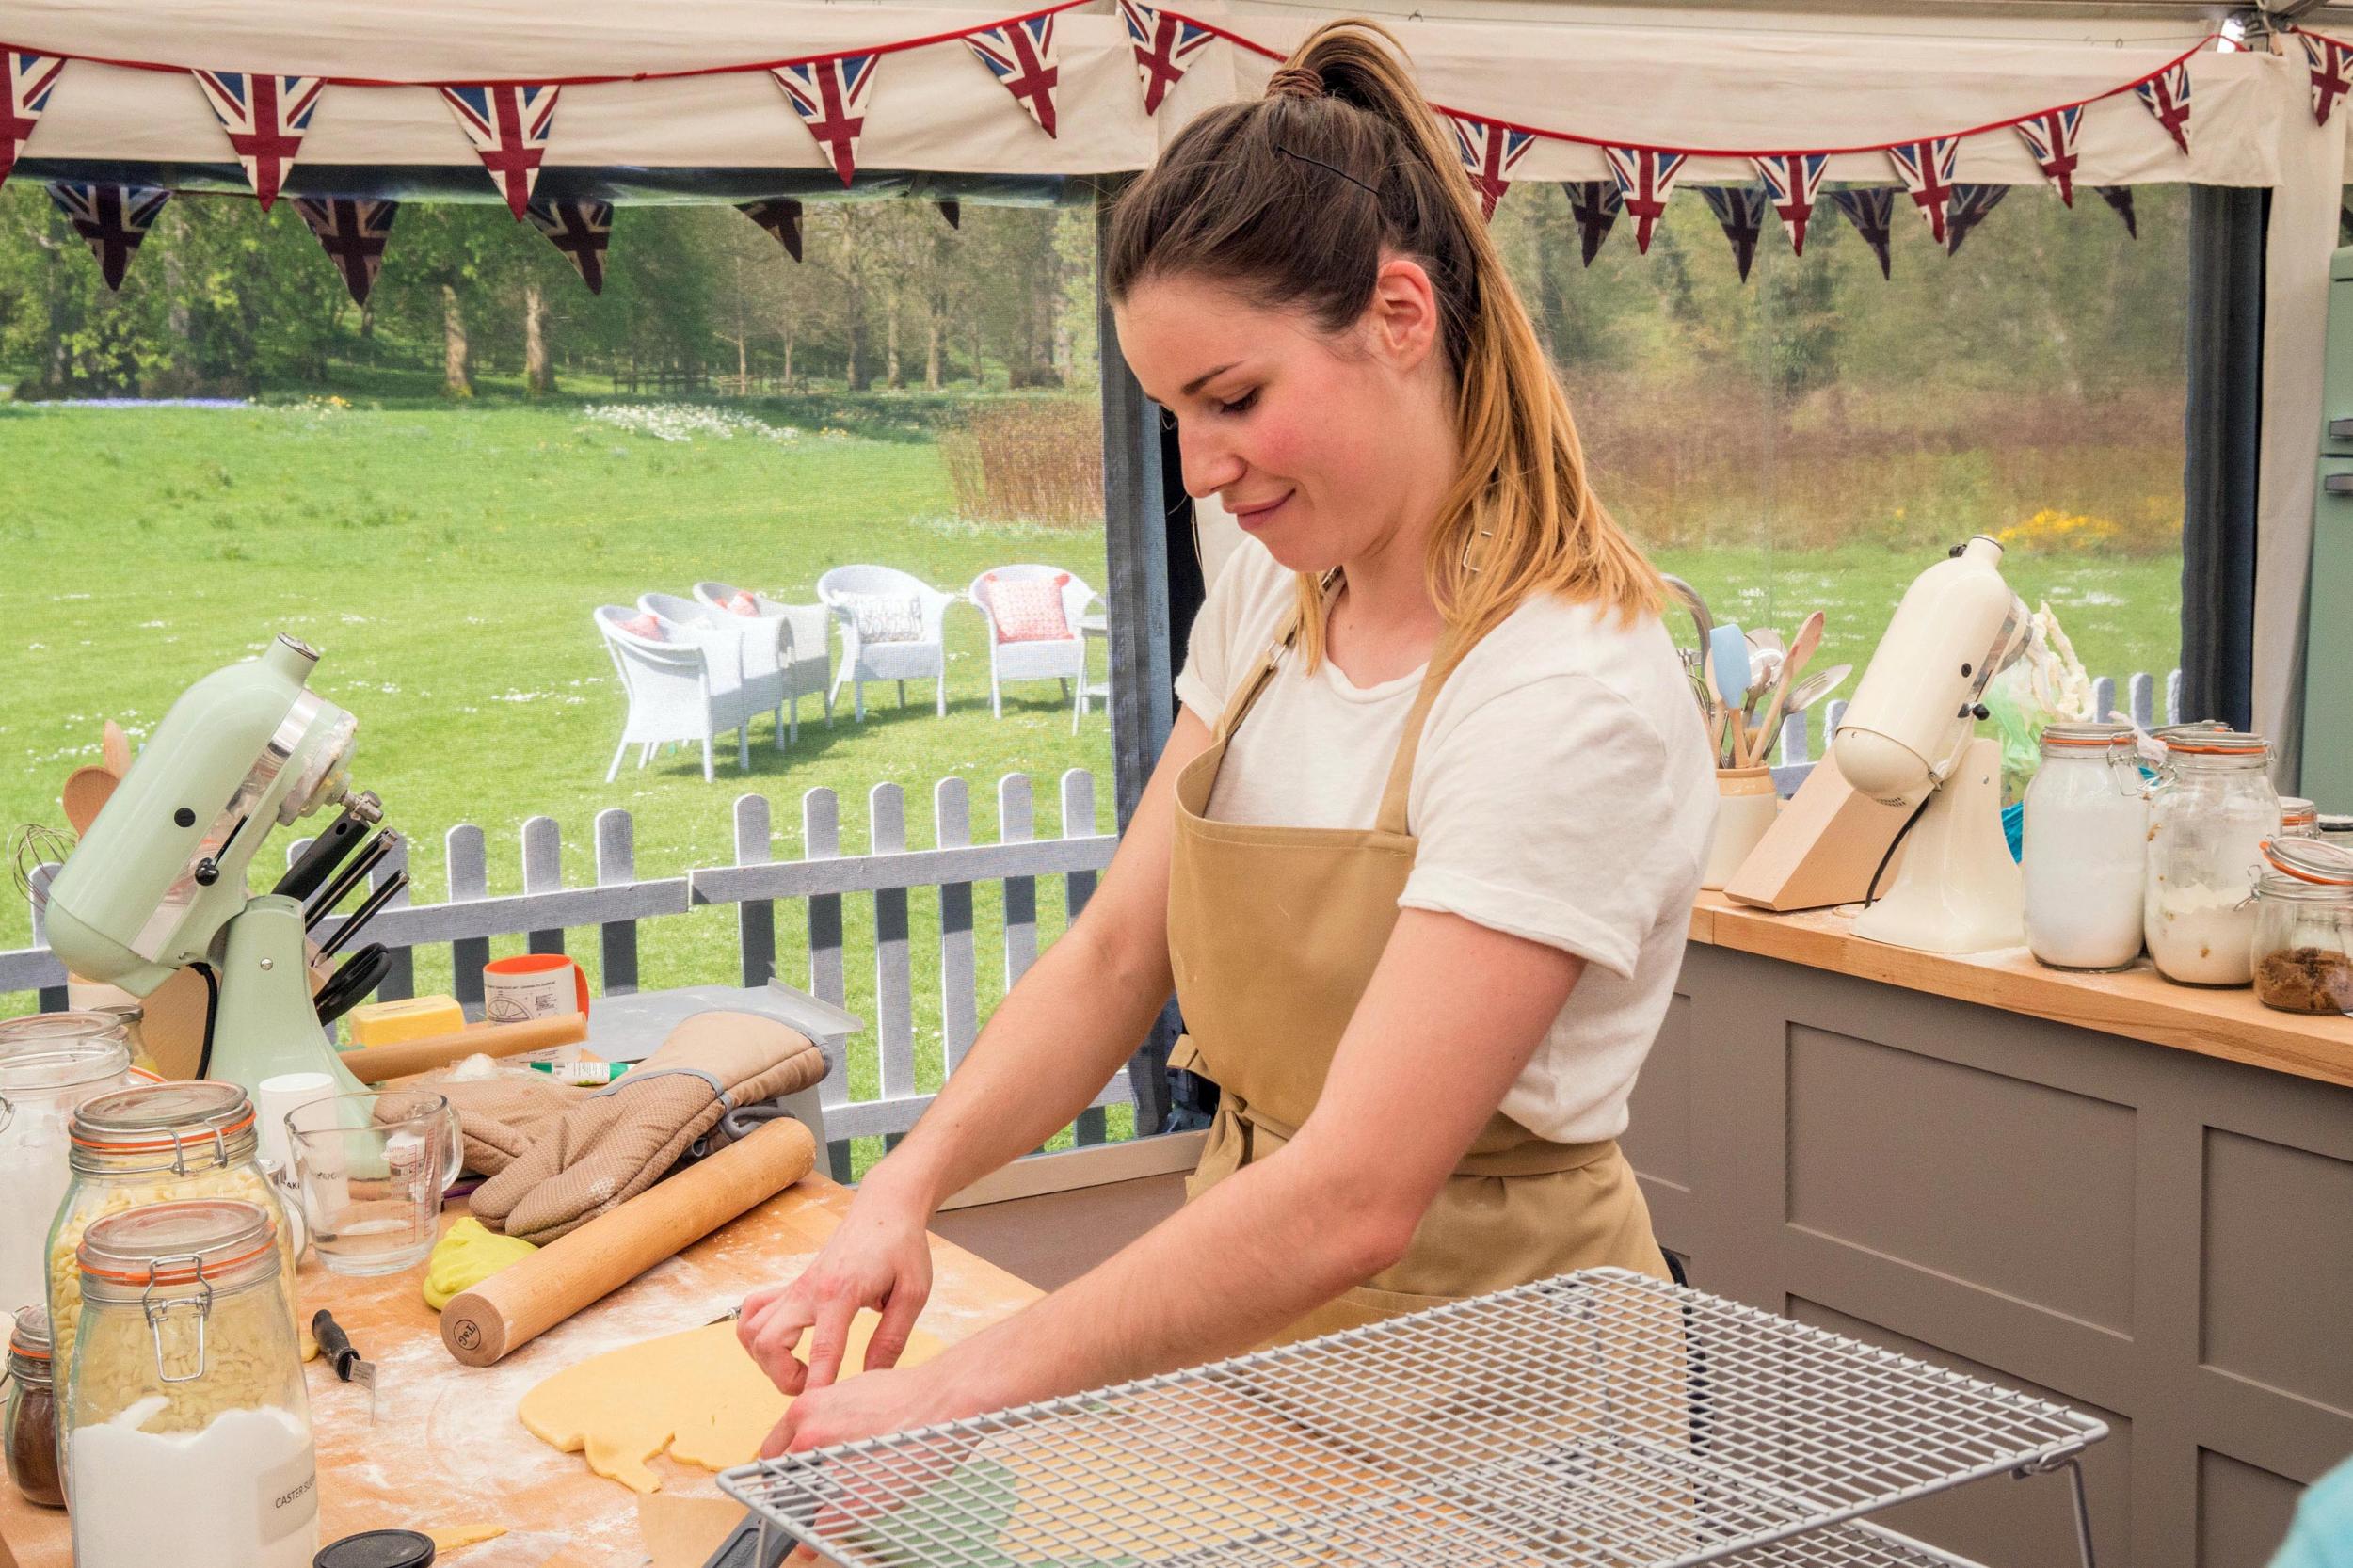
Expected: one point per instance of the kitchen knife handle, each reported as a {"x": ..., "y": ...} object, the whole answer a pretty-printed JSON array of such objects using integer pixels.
[
  {"x": 334, "y": 1343},
  {"x": 326, "y": 853}
]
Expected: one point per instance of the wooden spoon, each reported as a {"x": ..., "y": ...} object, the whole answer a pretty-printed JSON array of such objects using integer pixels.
[
  {"x": 115, "y": 750},
  {"x": 1801, "y": 648},
  {"x": 87, "y": 791}
]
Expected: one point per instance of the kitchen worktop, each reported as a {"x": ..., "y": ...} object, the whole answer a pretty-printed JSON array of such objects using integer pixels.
[
  {"x": 2137, "y": 1003},
  {"x": 446, "y": 1450}
]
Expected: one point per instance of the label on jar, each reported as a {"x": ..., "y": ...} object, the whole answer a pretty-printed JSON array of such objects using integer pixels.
[{"x": 286, "y": 1496}]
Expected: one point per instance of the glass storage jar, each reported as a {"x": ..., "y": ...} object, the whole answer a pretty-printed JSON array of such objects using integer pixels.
[
  {"x": 2085, "y": 846},
  {"x": 158, "y": 1143},
  {"x": 49, "y": 1064},
  {"x": 30, "y": 1436},
  {"x": 2299, "y": 818},
  {"x": 2210, "y": 811},
  {"x": 187, "y": 1436},
  {"x": 2304, "y": 927}
]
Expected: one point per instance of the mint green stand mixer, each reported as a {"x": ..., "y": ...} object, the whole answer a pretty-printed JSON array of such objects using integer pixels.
[{"x": 158, "y": 883}]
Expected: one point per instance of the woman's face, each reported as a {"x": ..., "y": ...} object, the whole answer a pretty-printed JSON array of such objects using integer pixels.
[{"x": 1323, "y": 446}]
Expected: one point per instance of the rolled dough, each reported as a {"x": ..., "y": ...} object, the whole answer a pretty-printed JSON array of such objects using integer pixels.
[{"x": 697, "y": 1395}]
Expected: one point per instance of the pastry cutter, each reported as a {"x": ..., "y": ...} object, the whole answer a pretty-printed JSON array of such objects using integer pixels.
[{"x": 335, "y": 1345}]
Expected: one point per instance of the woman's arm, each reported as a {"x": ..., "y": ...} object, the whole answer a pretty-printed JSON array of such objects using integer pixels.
[
  {"x": 1071, "y": 1022},
  {"x": 1453, "y": 1013}
]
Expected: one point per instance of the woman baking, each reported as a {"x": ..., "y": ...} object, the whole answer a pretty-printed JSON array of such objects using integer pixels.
[{"x": 1419, "y": 855}]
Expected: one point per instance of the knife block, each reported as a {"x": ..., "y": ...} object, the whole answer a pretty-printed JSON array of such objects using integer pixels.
[{"x": 1822, "y": 848}]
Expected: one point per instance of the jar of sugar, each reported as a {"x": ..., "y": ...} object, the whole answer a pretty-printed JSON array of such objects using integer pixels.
[
  {"x": 2086, "y": 840},
  {"x": 187, "y": 1434},
  {"x": 2209, "y": 813}
]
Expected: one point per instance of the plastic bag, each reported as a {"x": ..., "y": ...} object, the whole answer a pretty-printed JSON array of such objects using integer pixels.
[{"x": 2046, "y": 685}]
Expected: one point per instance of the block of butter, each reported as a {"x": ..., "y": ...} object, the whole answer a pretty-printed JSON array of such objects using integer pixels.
[{"x": 388, "y": 1023}]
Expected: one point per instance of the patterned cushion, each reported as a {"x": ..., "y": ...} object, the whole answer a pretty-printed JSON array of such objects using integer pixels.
[
  {"x": 1028, "y": 609},
  {"x": 646, "y": 625},
  {"x": 741, "y": 603},
  {"x": 886, "y": 617}
]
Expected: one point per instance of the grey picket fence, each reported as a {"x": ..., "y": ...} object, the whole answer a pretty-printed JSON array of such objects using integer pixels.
[{"x": 756, "y": 884}]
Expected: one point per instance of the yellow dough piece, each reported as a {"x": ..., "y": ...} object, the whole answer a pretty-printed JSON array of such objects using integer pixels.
[
  {"x": 468, "y": 1254},
  {"x": 698, "y": 1395},
  {"x": 449, "y": 1538}
]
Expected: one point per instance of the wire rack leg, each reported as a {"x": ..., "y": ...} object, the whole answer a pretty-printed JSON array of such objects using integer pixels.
[{"x": 2083, "y": 1511}]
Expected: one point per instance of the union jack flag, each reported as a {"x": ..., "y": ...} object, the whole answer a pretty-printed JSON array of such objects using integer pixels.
[
  {"x": 113, "y": 218},
  {"x": 1740, "y": 213},
  {"x": 353, "y": 230},
  {"x": 781, "y": 217},
  {"x": 1792, "y": 181},
  {"x": 508, "y": 125},
  {"x": 1872, "y": 211},
  {"x": 830, "y": 96},
  {"x": 30, "y": 77},
  {"x": 581, "y": 230},
  {"x": 1927, "y": 167},
  {"x": 2120, "y": 201},
  {"x": 2167, "y": 94},
  {"x": 264, "y": 117},
  {"x": 2332, "y": 73},
  {"x": 2051, "y": 137},
  {"x": 1490, "y": 152},
  {"x": 1022, "y": 56},
  {"x": 1644, "y": 176},
  {"x": 1164, "y": 46},
  {"x": 1594, "y": 205},
  {"x": 1970, "y": 205}
]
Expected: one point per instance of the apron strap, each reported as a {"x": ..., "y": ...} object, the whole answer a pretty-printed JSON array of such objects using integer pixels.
[
  {"x": 1391, "y": 817},
  {"x": 1247, "y": 692}
]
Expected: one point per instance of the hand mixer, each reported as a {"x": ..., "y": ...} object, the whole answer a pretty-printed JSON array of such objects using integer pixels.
[{"x": 158, "y": 883}]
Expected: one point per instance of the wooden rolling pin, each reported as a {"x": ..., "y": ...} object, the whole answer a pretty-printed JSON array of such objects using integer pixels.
[
  {"x": 376, "y": 1063},
  {"x": 520, "y": 1303}
]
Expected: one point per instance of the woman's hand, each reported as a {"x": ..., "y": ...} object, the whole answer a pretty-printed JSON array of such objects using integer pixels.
[{"x": 880, "y": 1258}]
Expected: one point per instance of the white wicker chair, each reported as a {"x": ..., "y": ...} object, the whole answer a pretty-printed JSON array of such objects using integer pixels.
[
  {"x": 678, "y": 690},
  {"x": 918, "y": 659},
  {"x": 1062, "y": 659},
  {"x": 793, "y": 646}
]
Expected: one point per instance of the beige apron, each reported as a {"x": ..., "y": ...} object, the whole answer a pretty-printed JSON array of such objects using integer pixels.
[{"x": 1273, "y": 935}]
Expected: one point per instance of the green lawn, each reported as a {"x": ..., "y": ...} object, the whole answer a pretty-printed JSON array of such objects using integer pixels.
[{"x": 445, "y": 560}]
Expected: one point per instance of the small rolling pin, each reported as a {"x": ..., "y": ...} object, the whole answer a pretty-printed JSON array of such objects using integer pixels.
[
  {"x": 376, "y": 1063},
  {"x": 521, "y": 1302}
]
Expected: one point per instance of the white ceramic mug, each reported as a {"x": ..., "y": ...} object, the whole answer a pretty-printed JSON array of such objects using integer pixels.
[{"x": 532, "y": 985}]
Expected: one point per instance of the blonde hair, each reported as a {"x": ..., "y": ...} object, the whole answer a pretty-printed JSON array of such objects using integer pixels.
[{"x": 1258, "y": 196}]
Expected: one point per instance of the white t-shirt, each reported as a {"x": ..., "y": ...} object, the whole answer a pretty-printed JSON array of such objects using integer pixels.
[{"x": 1563, "y": 793}]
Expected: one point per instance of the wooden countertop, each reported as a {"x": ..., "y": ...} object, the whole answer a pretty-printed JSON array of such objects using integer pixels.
[
  {"x": 2137, "y": 1003},
  {"x": 445, "y": 1448}
]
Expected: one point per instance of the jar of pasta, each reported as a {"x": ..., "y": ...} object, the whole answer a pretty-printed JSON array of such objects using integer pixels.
[
  {"x": 188, "y": 1436},
  {"x": 49, "y": 1064},
  {"x": 158, "y": 1143}
]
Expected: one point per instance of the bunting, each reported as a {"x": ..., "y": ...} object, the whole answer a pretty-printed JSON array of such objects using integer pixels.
[
  {"x": 353, "y": 230},
  {"x": 1792, "y": 181},
  {"x": 2167, "y": 94},
  {"x": 1020, "y": 55},
  {"x": 2332, "y": 66},
  {"x": 2120, "y": 201},
  {"x": 113, "y": 218},
  {"x": 1970, "y": 205},
  {"x": 1644, "y": 176},
  {"x": 1595, "y": 205},
  {"x": 1927, "y": 167},
  {"x": 830, "y": 96},
  {"x": 581, "y": 230},
  {"x": 1740, "y": 213},
  {"x": 781, "y": 217},
  {"x": 952, "y": 211},
  {"x": 30, "y": 80},
  {"x": 509, "y": 124},
  {"x": 1489, "y": 152},
  {"x": 1872, "y": 211},
  {"x": 266, "y": 116},
  {"x": 2051, "y": 137},
  {"x": 1164, "y": 47}
]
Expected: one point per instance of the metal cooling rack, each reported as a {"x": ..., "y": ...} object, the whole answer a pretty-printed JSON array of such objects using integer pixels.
[{"x": 1601, "y": 1419}]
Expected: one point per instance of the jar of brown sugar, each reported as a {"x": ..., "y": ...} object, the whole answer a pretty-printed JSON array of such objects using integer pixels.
[
  {"x": 2303, "y": 947},
  {"x": 31, "y": 1432}
]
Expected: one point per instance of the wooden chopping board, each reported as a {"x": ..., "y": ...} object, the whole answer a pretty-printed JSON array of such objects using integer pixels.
[{"x": 446, "y": 1449}]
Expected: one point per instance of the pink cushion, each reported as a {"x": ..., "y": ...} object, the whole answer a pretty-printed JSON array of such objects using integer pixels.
[
  {"x": 1028, "y": 611},
  {"x": 646, "y": 625},
  {"x": 742, "y": 605}
]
